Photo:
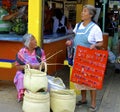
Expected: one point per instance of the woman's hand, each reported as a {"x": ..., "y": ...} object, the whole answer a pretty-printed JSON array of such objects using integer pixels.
[
  {"x": 20, "y": 67},
  {"x": 68, "y": 43},
  {"x": 93, "y": 46},
  {"x": 36, "y": 66},
  {"x": 98, "y": 45}
]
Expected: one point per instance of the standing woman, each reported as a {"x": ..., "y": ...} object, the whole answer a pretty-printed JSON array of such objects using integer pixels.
[
  {"x": 27, "y": 55},
  {"x": 59, "y": 22},
  {"x": 87, "y": 34}
]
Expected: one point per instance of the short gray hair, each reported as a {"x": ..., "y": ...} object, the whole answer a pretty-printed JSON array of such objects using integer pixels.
[
  {"x": 92, "y": 10},
  {"x": 26, "y": 39}
]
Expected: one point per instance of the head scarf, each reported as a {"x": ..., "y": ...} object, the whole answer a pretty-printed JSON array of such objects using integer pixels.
[{"x": 26, "y": 39}]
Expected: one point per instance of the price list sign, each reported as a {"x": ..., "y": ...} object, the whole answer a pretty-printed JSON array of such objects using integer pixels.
[{"x": 89, "y": 67}]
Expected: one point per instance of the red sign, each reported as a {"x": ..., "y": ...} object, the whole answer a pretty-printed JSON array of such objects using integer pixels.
[{"x": 89, "y": 67}]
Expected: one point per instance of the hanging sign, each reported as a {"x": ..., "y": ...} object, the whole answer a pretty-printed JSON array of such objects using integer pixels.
[{"x": 89, "y": 67}]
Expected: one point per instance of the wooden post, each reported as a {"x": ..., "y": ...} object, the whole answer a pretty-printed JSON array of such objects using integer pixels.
[
  {"x": 91, "y": 2},
  {"x": 78, "y": 12},
  {"x": 80, "y": 6}
]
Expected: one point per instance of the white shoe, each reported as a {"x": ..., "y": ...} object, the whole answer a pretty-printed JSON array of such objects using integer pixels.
[{"x": 92, "y": 109}]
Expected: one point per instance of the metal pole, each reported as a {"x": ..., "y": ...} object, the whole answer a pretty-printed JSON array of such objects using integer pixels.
[
  {"x": 104, "y": 8},
  {"x": 103, "y": 22}
]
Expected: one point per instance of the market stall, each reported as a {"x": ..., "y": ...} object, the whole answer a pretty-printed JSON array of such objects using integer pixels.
[
  {"x": 11, "y": 43},
  {"x": 53, "y": 44}
]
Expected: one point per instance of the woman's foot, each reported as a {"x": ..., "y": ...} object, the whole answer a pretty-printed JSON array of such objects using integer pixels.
[
  {"x": 20, "y": 95},
  {"x": 19, "y": 100},
  {"x": 81, "y": 103},
  {"x": 93, "y": 109},
  {"x": 117, "y": 70}
]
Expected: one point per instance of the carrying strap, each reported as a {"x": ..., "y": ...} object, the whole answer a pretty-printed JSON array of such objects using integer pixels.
[
  {"x": 60, "y": 24},
  {"x": 38, "y": 56},
  {"x": 78, "y": 25},
  {"x": 38, "y": 53},
  {"x": 19, "y": 61}
]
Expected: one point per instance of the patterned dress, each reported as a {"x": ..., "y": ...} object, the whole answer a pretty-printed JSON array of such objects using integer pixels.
[{"x": 25, "y": 56}]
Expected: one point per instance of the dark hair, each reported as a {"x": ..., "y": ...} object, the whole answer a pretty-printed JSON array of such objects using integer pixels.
[
  {"x": 46, "y": 4},
  {"x": 58, "y": 13}
]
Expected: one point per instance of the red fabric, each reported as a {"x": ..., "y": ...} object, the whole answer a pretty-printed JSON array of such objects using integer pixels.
[{"x": 6, "y": 3}]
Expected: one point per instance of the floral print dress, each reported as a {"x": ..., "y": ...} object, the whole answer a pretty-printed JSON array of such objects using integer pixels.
[{"x": 28, "y": 58}]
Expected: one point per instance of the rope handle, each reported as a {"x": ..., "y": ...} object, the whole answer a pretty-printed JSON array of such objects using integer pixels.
[
  {"x": 27, "y": 67},
  {"x": 43, "y": 64}
]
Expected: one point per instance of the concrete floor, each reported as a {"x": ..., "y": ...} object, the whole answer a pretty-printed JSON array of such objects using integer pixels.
[{"x": 8, "y": 101}]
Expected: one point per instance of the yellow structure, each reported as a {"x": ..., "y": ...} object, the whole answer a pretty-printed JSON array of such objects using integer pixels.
[
  {"x": 72, "y": 86},
  {"x": 79, "y": 8},
  {"x": 35, "y": 14},
  {"x": 34, "y": 24},
  {"x": 78, "y": 12},
  {"x": 6, "y": 65},
  {"x": 92, "y": 2}
]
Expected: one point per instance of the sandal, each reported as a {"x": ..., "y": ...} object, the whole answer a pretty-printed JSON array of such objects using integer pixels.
[
  {"x": 93, "y": 109},
  {"x": 81, "y": 103}
]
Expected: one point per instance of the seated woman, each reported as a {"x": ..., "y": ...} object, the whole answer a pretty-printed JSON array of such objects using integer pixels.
[{"x": 30, "y": 54}]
